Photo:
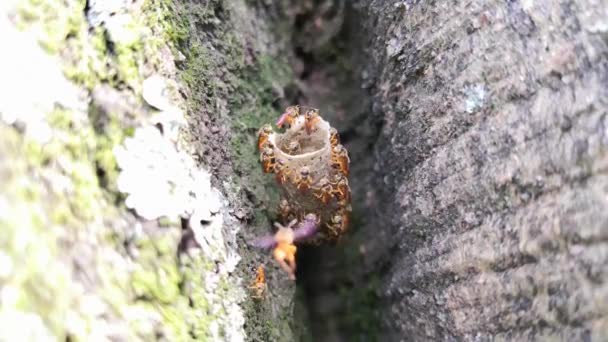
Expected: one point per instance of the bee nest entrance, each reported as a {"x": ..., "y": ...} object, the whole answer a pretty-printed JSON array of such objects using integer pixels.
[
  {"x": 311, "y": 168},
  {"x": 299, "y": 149}
]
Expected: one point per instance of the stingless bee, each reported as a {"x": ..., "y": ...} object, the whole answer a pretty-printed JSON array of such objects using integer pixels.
[
  {"x": 268, "y": 160},
  {"x": 303, "y": 179},
  {"x": 311, "y": 119},
  {"x": 290, "y": 115},
  {"x": 340, "y": 188},
  {"x": 340, "y": 159},
  {"x": 263, "y": 135},
  {"x": 338, "y": 223},
  {"x": 323, "y": 191},
  {"x": 259, "y": 284},
  {"x": 334, "y": 138},
  {"x": 285, "y": 213},
  {"x": 282, "y": 242},
  {"x": 282, "y": 171}
]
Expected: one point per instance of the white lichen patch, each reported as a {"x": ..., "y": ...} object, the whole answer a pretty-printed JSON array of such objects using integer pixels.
[
  {"x": 116, "y": 16},
  {"x": 475, "y": 97},
  {"x": 156, "y": 92},
  {"x": 72, "y": 265},
  {"x": 30, "y": 91},
  {"x": 394, "y": 46},
  {"x": 12, "y": 325},
  {"x": 161, "y": 181}
]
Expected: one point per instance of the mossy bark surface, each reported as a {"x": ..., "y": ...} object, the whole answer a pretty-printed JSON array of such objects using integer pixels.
[
  {"x": 478, "y": 142},
  {"x": 77, "y": 259}
]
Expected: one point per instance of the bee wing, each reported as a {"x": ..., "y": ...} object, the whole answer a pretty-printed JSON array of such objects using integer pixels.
[
  {"x": 282, "y": 119},
  {"x": 305, "y": 230},
  {"x": 264, "y": 242}
]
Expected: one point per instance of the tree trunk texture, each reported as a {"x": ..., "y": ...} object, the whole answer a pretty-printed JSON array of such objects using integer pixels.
[
  {"x": 482, "y": 197},
  {"x": 478, "y": 138}
]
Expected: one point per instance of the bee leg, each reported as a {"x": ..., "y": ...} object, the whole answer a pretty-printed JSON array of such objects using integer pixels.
[
  {"x": 288, "y": 267},
  {"x": 291, "y": 261}
]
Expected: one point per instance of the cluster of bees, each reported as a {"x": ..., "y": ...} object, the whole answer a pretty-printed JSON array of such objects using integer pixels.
[
  {"x": 311, "y": 167},
  {"x": 333, "y": 185}
]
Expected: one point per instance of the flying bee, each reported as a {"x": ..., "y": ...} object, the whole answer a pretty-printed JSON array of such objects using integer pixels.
[
  {"x": 303, "y": 179},
  {"x": 259, "y": 284},
  {"x": 338, "y": 223},
  {"x": 340, "y": 159},
  {"x": 334, "y": 138},
  {"x": 268, "y": 160},
  {"x": 293, "y": 147},
  {"x": 340, "y": 188},
  {"x": 290, "y": 115},
  {"x": 282, "y": 171},
  {"x": 323, "y": 191},
  {"x": 263, "y": 135},
  {"x": 311, "y": 119}
]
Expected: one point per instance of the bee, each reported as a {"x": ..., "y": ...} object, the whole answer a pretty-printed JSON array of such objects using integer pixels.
[
  {"x": 283, "y": 248},
  {"x": 293, "y": 147},
  {"x": 268, "y": 160},
  {"x": 340, "y": 159},
  {"x": 338, "y": 223},
  {"x": 263, "y": 135},
  {"x": 340, "y": 188},
  {"x": 259, "y": 286},
  {"x": 290, "y": 115},
  {"x": 303, "y": 180},
  {"x": 285, "y": 213},
  {"x": 323, "y": 191},
  {"x": 284, "y": 251},
  {"x": 334, "y": 138},
  {"x": 282, "y": 171},
  {"x": 311, "y": 120}
]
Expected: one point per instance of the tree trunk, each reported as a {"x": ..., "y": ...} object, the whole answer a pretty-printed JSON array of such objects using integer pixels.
[
  {"x": 483, "y": 198},
  {"x": 478, "y": 139}
]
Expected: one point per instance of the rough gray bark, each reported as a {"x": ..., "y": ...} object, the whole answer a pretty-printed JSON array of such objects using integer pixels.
[
  {"x": 485, "y": 199},
  {"x": 477, "y": 130}
]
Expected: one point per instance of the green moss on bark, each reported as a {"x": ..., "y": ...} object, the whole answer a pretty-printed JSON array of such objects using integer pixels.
[
  {"x": 237, "y": 90},
  {"x": 67, "y": 187},
  {"x": 62, "y": 196}
]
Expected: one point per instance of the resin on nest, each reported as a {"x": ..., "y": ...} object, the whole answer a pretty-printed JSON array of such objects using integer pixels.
[{"x": 311, "y": 168}]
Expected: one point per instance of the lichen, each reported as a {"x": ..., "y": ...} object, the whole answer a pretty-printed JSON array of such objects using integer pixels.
[
  {"x": 182, "y": 191},
  {"x": 475, "y": 97},
  {"x": 122, "y": 262},
  {"x": 87, "y": 268},
  {"x": 234, "y": 87}
]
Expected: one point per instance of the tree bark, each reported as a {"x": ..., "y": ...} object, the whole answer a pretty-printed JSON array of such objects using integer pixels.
[
  {"x": 485, "y": 198},
  {"x": 478, "y": 137}
]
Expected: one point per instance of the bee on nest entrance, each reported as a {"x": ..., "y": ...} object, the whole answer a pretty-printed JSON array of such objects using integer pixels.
[{"x": 311, "y": 169}]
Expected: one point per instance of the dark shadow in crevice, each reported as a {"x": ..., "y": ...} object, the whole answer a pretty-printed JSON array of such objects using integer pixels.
[{"x": 340, "y": 294}]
